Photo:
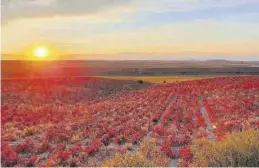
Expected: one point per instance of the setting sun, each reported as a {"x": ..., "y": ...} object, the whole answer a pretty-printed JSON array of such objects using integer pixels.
[{"x": 41, "y": 52}]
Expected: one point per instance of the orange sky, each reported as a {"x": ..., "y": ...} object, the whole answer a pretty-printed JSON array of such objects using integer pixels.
[{"x": 171, "y": 27}]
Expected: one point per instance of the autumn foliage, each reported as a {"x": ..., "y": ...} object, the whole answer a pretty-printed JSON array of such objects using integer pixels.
[{"x": 86, "y": 121}]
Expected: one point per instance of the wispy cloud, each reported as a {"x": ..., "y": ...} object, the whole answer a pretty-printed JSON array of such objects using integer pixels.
[
  {"x": 189, "y": 5},
  {"x": 17, "y": 9}
]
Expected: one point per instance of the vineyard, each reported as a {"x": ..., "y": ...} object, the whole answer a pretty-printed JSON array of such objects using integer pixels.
[{"x": 87, "y": 121}]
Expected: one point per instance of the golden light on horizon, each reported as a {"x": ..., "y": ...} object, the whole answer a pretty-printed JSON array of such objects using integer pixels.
[{"x": 40, "y": 52}]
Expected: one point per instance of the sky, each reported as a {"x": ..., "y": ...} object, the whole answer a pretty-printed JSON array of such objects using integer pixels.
[{"x": 132, "y": 29}]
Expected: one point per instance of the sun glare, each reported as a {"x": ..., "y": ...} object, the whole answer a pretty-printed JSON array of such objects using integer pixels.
[{"x": 40, "y": 52}]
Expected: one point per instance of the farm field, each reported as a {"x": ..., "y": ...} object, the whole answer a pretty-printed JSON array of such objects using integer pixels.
[
  {"x": 129, "y": 83},
  {"x": 87, "y": 121},
  {"x": 128, "y": 69},
  {"x": 157, "y": 79}
]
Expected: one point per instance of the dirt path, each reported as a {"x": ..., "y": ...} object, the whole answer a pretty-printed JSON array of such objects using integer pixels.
[
  {"x": 173, "y": 162},
  {"x": 207, "y": 120},
  {"x": 256, "y": 104}
]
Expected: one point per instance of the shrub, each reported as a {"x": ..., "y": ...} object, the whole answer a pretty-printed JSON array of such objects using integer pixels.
[
  {"x": 60, "y": 147},
  {"x": 24, "y": 147},
  {"x": 128, "y": 160},
  {"x": 235, "y": 150},
  {"x": 52, "y": 161},
  {"x": 63, "y": 156},
  {"x": 112, "y": 133},
  {"x": 30, "y": 130},
  {"x": 93, "y": 147},
  {"x": 75, "y": 149},
  {"x": 147, "y": 156},
  {"x": 9, "y": 156},
  {"x": 185, "y": 153},
  {"x": 128, "y": 146},
  {"x": 159, "y": 130},
  {"x": 166, "y": 149},
  {"x": 76, "y": 137},
  {"x": 32, "y": 161},
  {"x": 140, "y": 81},
  {"x": 45, "y": 146}
]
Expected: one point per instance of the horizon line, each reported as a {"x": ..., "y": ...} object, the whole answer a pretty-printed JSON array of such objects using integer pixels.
[{"x": 192, "y": 60}]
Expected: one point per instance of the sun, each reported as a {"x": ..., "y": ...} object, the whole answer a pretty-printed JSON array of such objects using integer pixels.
[{"x": 40, "y": 52}]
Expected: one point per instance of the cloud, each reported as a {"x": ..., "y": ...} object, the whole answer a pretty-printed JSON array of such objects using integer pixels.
[
  {"x": 16, "y": 9},
  {"x": 189, "y": 5},
  {"x": 102, "y": 26}
]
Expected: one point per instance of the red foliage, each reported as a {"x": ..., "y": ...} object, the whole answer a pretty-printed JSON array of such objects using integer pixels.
[
  {"x": 9, "y": 156},
  {"x": 93, "y": 147},
  {"x": 26, "y": 146},
  {"x": 166, "y": 149},
  {"x": 64, "y": 155},
  {"x": 186, "y": 153},
  {"x": 183, "y": 163},
  {"x": 32, "y": 161},
  {"x": 65, "y": 108},
  {"x": 159, "y": 130},
  {"x": 111, "y": 133},
  {"x": 60, "y": 147},
  {"x": 75, "y": 148},
  {"x": 86, "y": 133},
  {"x": 45, "y": 146}
]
